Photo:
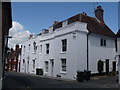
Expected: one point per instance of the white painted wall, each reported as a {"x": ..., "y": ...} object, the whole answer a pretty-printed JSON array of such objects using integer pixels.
[
  {"x": 76, "y": 55},
  {"x": 118, "y": 45},
  {"x": 118, "y": 58},
  {"x": 97, "y": 52}
]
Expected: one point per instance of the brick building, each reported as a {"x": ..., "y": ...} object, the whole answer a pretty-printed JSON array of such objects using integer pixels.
[{"x": 13, "y": 58}]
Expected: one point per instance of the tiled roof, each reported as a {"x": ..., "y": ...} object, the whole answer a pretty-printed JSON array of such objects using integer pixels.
[
  {"x": 118, "y": 33},
  {"x": 93, "y": 25}
]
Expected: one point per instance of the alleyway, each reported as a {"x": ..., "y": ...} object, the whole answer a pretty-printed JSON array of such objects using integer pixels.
[{"x": 18, "y": 81}]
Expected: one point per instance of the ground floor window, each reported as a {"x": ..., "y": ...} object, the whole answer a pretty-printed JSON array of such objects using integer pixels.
[
  {"x": 63, "y": 65},
  {"x": 33, "y": 64},
  {"x": 46, "y": 66}
]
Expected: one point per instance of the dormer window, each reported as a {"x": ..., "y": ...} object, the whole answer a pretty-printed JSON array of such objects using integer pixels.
[{"x": 64, "y": 23}]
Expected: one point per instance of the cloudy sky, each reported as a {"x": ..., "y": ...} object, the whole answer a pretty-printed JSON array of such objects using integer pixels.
[
  {"x": 19, "y": 34},
  {"x": 32, "y": 17}
]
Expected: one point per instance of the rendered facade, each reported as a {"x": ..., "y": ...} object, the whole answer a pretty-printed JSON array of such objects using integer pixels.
[{"x": 72, "y": 45}]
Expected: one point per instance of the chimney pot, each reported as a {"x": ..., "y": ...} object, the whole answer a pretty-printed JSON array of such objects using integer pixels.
[{"x": 99, "y": 7}]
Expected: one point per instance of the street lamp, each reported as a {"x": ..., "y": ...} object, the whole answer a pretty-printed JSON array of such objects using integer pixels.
[{"x": 8, "y": 36}]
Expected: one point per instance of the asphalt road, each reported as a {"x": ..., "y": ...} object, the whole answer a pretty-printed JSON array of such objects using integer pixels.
[{"x": 19, "y": 81}]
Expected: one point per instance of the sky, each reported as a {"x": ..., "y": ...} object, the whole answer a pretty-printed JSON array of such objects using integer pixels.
[{"x": 31, "y": 17}]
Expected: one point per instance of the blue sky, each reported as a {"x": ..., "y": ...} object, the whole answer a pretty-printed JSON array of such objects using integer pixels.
[{"x": 35, "y": 16}]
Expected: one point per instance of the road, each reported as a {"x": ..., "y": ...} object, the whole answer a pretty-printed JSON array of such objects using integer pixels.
[{"x": 20, "y": 81}]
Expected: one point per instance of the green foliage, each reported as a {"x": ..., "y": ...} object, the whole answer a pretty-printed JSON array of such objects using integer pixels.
[{"x": 100, "y": 65}]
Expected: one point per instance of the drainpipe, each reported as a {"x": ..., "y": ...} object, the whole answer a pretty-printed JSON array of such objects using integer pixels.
[{"x": 88, "y": 51}]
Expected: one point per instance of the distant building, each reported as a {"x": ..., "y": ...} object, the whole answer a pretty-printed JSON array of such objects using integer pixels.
[
  {"x": 13, "y": 59},
  {"x": 72, "y": 45}
]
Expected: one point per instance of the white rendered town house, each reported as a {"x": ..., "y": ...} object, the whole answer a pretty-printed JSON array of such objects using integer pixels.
[
  {"x": 77, "y": 43},
  {"x": 118, "y": 52}
]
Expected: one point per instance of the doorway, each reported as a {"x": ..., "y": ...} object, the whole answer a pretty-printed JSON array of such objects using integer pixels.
[
  {"x": 107, "y": 66},
  {"x": 114, "y": 66},
  {"x": 51, "y": 66}
]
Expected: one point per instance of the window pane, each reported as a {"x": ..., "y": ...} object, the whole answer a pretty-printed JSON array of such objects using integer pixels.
[
  {"x": 101, "y": 42},
  {"x": 47, "y": 48},
  {"x": 63, "y": 64},
  {"x": 64, "y": 45},
  {"x": 46, "y": 66},
  {"x": 33, "y": 64},
  {"x": 104, "y": 42}
]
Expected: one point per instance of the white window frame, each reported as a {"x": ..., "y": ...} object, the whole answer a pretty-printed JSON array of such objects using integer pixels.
[
  {"x": 24, "y": 50},
  {"x": 47, "y": 48},
  {"x": 63, "y": 46},
  {"x": 33, "y": 63},
  {"x": 40, "y": 48},
  {"x": 102, "y": 42},
  {"x": 28, "y": 47},
  {"x": 46, "y": 66},
  {"x": 34, "y": 47},
  {"x": 62, "y": 66}
]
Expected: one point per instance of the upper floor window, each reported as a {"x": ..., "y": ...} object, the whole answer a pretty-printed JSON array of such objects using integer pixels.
[
  {"x": 35, "y": 47},
  {"x": 24, "y": 49},
  {"x": 40, "y": 48},
  {"x": 64, "y": 45},
  {"x": 47, "y": 48},
  {"x": 29, "y": 47},
  {"x": 102, "y": 42}
]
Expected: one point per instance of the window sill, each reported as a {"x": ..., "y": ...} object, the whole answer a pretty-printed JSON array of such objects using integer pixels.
[
  {"x": 47, "y": 54},
  {"x": 63, "y": 72},
  {"x": 34, "y": 52},
  {"x": 63, "y": 52},
  {"x": 46, "y": 73}
]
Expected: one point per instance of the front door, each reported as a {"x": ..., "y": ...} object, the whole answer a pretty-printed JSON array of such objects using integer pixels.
[
  {"x": 114, "y": 66},
  {"x": 52, "y": 66},
  {"x": 107, "y": 66}
]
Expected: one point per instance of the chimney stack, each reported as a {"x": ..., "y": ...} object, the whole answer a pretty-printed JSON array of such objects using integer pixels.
[
  {"x": 30, "y": 36},
  {"x": 56, "y": 22},
  {"x": 99, "y": 13}
]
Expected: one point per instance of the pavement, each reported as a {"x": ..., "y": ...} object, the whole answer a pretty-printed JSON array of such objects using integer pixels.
[{"x": 21, "y": 81}]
